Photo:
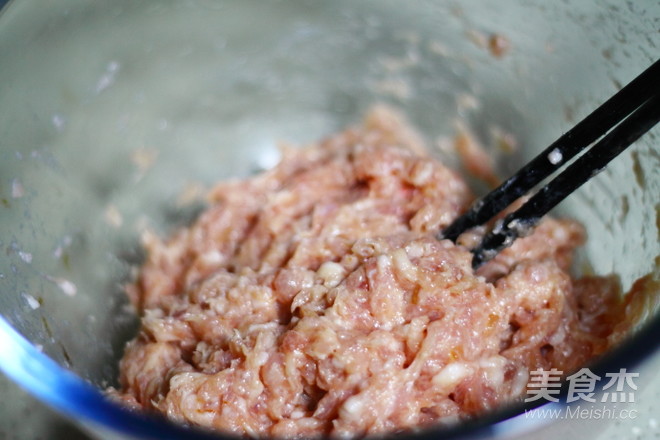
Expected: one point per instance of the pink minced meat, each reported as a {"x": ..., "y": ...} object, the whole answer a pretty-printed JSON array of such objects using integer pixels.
[{"x": 314, "y": 299}]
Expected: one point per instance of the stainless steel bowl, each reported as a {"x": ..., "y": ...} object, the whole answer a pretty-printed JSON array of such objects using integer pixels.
[{"x": 111, "y": 109}]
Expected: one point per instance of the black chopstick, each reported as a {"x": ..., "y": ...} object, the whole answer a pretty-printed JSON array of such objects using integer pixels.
[
  {"x": 560, "y": 152},
  {"x": 521, "y": 221},
  {"x": 640, "y": 97}
]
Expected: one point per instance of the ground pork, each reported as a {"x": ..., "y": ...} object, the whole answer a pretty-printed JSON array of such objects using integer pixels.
[{"x": 315, "y": 299}]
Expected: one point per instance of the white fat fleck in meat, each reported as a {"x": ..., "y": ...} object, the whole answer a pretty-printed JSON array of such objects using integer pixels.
[
  {"x": 493, "y": 369},
  {"x": 352, "y": 407},
  {"x": 331, "y": 273},
  {"x": 451, "y": 375},
  {"x": 520, "y": 380},
  {"x": 422, "y": 174},
  {"x": 404, "y": 265}
]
